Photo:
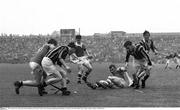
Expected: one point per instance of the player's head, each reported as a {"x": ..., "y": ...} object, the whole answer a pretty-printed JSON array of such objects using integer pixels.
[
  {"x": 52, "y": 42},
  {"x": 146, "y": 35},
  {"x": 112, "y": 68},
  {"x": 78, "y": 38},
  {"x": 128, "y": 45},
  {"x": 71, "y": 47}
]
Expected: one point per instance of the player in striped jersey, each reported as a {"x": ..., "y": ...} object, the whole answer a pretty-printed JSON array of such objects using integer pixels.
[
  {"x": 37, "y": 71},
  {"x": 54, "y": 65},
  {"x": 142, "y": 60},
  {"x": 83, "y": 59},
  {"x": 148, "y": 43}
]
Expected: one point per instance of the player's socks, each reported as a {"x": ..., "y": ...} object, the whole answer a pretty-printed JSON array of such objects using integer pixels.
[
  {"x": 79, "y": 78},
  {"x": 143, "y": 84},
  {"x": 17, "y": 85},
  {"x": 136, "y": 83},
  {"x": 134, "y": 79},
  {"x": 44, "y": 84},
  {"x": 40, "y": 89},
  {"x": 85, "y": 77},
  {"x": 43, "y": 89},
  {"x": 144, "y": 81}
]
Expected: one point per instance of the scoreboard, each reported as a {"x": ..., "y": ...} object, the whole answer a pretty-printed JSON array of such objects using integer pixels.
[{"x": 67, "y": 33}]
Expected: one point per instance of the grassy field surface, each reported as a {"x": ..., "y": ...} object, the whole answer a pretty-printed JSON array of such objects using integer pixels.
[{"x": 163, "y": 90}]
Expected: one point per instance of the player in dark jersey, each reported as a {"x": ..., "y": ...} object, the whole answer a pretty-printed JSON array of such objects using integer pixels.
[
  {"x": 148, "y": 43},
  {"x": 83, "y": 59},
  {"x": 118, "y": 79},
  {"x": 37, "y": 71},
  {"x": 142, "y": 60},
  {"x": 54, "y": 65}
]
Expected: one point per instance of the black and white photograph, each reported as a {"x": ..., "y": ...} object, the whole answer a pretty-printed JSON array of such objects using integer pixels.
[{"x": 89, "y": 54}]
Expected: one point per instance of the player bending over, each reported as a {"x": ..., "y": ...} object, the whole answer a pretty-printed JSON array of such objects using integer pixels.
[
  {"x": 118, "y": 79},
  {"x": 177, "y": 59},
  {"x": 82, "y": 59},
  {"x": 142, "y": 63},
  {"x": 169, "y": 60},
  {"x": 37, "y": 70},
  {"x": 54, "y": 65}
]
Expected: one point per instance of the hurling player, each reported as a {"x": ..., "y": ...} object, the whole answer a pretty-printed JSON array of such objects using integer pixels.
[
  {"x": 148, "y": 43},
  {"x": 119, "y": 79},
  {"x": 37, "y": 71},
  {"x": 169, "y": 60},
  {"x": 54, "y": 65},
  {"x": 173, "y": 57},
  {"x": 83, "y": 59},
  {"x": 142, "y": 62},
  {"x": 177, "y": 58}
]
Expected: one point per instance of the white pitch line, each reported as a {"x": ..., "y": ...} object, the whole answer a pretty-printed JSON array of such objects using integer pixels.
[{"x": 139, "y": 91}]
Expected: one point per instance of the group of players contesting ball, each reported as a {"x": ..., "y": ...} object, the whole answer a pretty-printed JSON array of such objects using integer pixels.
[{"x": 49, "y": 66}]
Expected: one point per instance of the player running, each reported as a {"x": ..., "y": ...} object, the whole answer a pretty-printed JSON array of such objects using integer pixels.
[
  {"x": 82, "y": 59},
  {"x": 148, "y": 43},
  {"x": 37, "y": 71},
  {"x": 119, "y": 79},
  {"x": 142, "y": 62},
  {"x": 54, "y": 65}
]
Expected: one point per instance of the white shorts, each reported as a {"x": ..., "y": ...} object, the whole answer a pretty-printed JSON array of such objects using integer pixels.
[
  {"x": 33, "y": 65},
  {"x": 177, "y": 61},
  {"x": 120, "y": 82},
  {"x": 170, "y": 62},
  {"x": 50, "y": 68}
]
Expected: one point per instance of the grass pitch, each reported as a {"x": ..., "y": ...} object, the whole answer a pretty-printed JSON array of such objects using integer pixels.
[{"x": 163, "y": 90}]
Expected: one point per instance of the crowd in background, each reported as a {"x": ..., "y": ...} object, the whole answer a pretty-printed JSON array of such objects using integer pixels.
[{"x": 19, "y": 49}]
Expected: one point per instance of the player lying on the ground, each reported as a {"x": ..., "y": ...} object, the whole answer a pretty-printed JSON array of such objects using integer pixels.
[
  {"x": 84, "y": 65},
  {"x": 119, "y": 79},
  {"x": 37, "y": 71},
  {"x": 141, "y": 60}
]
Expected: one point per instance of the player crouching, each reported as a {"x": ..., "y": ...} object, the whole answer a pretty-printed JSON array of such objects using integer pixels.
[{"x": 119, "y": 79}]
